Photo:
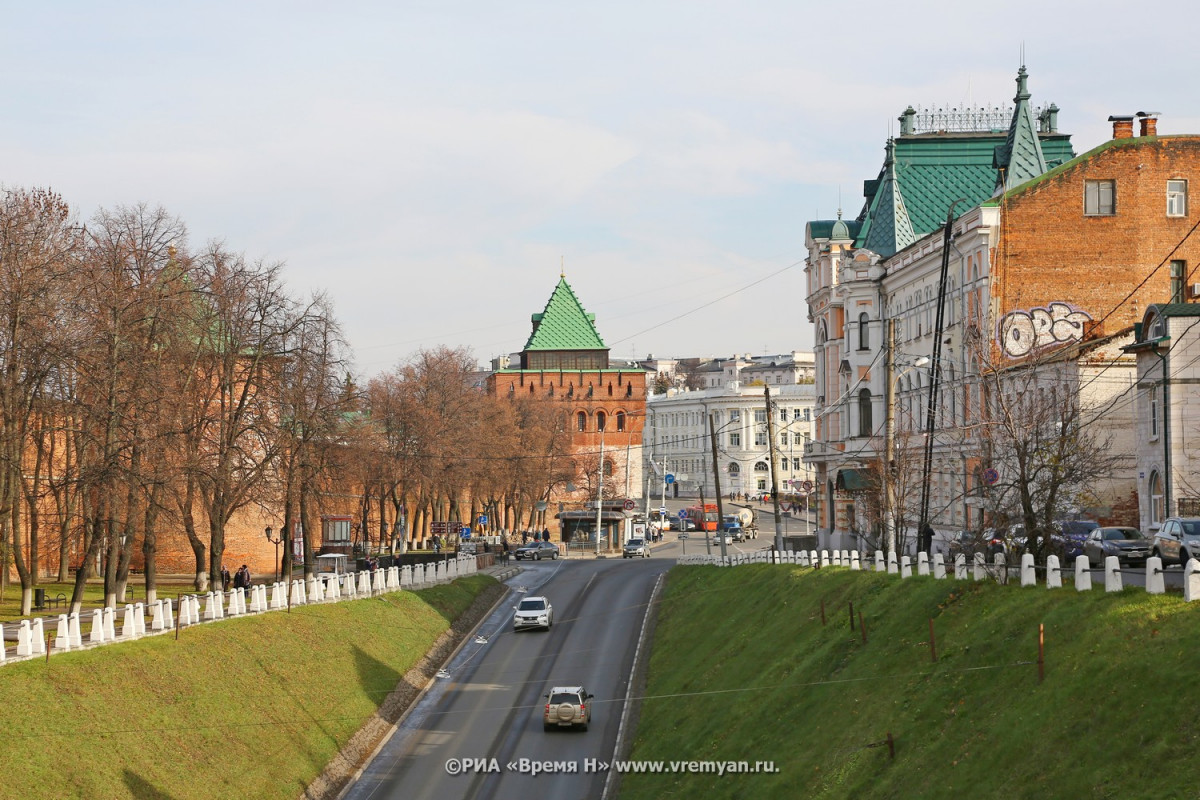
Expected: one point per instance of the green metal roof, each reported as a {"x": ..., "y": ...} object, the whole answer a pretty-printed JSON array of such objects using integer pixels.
[
  {"x": 823, "y": 228},
  {"x": 563, "y": 324},
  {"x": 1020, "y": 159}
]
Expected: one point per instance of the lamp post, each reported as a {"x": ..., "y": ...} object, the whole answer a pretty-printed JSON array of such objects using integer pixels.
[{"x": 275, "y": 540}]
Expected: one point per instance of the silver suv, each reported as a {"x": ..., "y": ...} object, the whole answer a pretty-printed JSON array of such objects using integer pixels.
[
  {"x": 533, "y": 612},
  {"x": 1177, "y": 540},
  {"x": 567, "y": 707},
  {"x": 635, "y": 547}
]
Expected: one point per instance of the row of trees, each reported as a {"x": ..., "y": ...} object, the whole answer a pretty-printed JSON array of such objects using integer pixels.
[{"x": 151, "y": 390}]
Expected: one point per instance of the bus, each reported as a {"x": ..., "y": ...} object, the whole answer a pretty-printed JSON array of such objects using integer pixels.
[{"x": 703, "y": 517}]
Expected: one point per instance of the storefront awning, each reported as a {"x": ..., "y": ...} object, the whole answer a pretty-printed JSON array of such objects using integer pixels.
[{"x": 852, "y": 480}]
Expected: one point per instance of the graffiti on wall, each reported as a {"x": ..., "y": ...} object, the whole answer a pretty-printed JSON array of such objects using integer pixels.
[{"x": 1022, "y": 332}]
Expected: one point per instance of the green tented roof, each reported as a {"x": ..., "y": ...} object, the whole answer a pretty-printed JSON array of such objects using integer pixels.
[
  {"x": 563, "y": 324},
  {"x": 823, "y": 228}
]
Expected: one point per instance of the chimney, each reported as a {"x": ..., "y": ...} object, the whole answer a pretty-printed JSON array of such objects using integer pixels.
[
  {"x": 1122, "y": 127},
  {"x": 1149, "y": 123}
]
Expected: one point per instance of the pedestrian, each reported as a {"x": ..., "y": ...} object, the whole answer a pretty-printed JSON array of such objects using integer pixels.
[
  {"x": 437, "y": 544},
  {"x": 224, "y": 577},
  {"x": 504, "y": 550},
  {"x": 545, "y": 534},
  {"x": 242, "y": 579},
  {"x": 926, "y": 537}
]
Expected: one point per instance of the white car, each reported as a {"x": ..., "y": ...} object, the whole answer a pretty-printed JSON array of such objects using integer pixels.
[
  {"x": 635, "y": 547},
  {"x": 533, "y": 612}
]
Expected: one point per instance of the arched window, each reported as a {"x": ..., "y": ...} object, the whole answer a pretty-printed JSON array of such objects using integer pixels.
[
  {"x": 1156, "y": 499},
  {"x": 581, "y": 421},
  {"x": 734, "y": 468},
  {"x": 601, "y": 418},
  {"x": 864, "y": 332},
  {"x": 761, "y": 466},
  {"x": 865, "y": 428},
  {"x": 620, "y": 420}
]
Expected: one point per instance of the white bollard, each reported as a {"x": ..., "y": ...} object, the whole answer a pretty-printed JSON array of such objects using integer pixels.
[
  {"x": 1083, "y": 574},
  {"x": 39, "y": 637},
  {"x": 1191, "y": 580},
  {"x": 1155, "y": 582},
  {"x": 1028, "y": 574},
  {"x": 76, "y": 633},
  {"x": 377, "y": 583},
  {"x": 879, "y": 563},
  {"x": 939, "y": 567},
  {"x": 97, "y": 634},
  {"x": 979, "y": 571},
  {"x": 406, "y": 577},
  {"x": 211, "y": 603},
  {"x": 922, "y": 563},
  {"x": 139, "y": 619},
  {"x": 906, "y": 566},
  {"x": 127, "y": 623},
  {"x": 855, "y": 564},
  {"x": 1112, "y": 574},
  {"x": 110, "y": 624},
  {"x": 364, "y": 583},
  {"x": 62, "y": 638},
  {"x": 24, "y": 639},
  {"x": 814, "y": 558},
  {"x": 1053, "y": 573},
  {"x": 803, "y": 555},
  {"x": 892, "y": 564},
  {"x": 310, "y": 589},
  {"x": 277, "y": 595},
  {"x": 960, "y": 567},
  {"x": 156, "y": 620}
]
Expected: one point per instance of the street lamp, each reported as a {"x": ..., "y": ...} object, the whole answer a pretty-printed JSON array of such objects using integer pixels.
[{"x": 275, "y": 540}]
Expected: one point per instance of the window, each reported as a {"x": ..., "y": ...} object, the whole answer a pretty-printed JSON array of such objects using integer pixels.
[
  {"x": 760, "y": 438},
  {"x": 1156, "y": 499},
  {"x": 760, "y": 466},
  {"x": 600, "y": 420},
  {"x": 783, "y": 415},
  {"x": 1152, "y": 395},
  {"x": 581, "y": 421},
  {"x": 797, "y": 464},
  {"x": 783, "y": 440},
  {"x": 620, "y": 420},
  {"x": 1176, "y": 198},
  {"x": 735, "y": 440},
  {"x": 735, "y": 415},
  {"x": 734, "y": 468},
  {"x": 760, "y": 415},
  {"x": 864, "y": 413},
  {"x": 864, "y": 332},
  {"x": 1099, "y": 198}
]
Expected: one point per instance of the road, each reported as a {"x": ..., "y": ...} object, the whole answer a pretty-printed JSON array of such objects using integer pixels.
[{"x": 490, "y": 705}]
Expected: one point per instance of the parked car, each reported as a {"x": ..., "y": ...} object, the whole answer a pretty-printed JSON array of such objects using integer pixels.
[
  {"x": 1070, "y": 536},
  {"x": 1127, "y": 544},
  {"x": 536, "y": 551},
  {"x": 567, "y": 707},
  {"x": 733, "y": 524},
  {"x": 1177, "y": 540},
  {"x": 635, "y": 548},
  {"x": 533, "y": 612}
]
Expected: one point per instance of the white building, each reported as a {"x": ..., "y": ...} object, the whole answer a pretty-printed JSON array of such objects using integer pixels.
[{"x": 677, "y": 439}]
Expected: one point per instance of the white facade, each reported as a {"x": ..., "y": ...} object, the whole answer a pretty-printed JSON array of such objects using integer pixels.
[{"x": 677, "y": 439}]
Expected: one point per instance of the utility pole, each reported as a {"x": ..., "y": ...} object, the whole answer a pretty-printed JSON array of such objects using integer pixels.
[
  {"x": 600, "y": 494},
  {"x": 889, "y": 437},
  {"x": 774, "y": 479},
  {"x": 712, "y": 435},
  {"x": 704, "y": 525}
]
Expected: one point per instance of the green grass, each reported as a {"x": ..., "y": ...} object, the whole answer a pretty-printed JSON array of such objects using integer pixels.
[
  {"x": 250, "y": 707},
  {"x": 743, "y": 669}
]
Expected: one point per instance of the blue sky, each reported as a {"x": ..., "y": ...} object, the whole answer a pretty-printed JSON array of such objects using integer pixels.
[{"x": 431, "y": 164}]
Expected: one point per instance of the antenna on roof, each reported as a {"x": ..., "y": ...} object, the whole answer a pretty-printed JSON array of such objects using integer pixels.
[{"x": 562, "y": 266}]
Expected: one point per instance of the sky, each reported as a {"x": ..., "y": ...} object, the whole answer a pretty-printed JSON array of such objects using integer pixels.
[{"x": 433, "y": 166}]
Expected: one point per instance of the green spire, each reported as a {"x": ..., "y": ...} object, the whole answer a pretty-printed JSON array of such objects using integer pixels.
[
  {"x": 1020, "y": 158},
  {"x": 888, "y": 229},
  {"x": 563, "y": 324}
]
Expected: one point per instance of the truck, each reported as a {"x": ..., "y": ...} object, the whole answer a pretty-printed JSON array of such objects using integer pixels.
[{"x": 748, "y": 518}]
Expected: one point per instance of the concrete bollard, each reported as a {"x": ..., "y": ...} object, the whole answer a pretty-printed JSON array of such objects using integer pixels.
[
  {"x": 893, "y": 566},
  {"x": 97, "y": 634},
  {"x": 1112, "y": 574},
  {"x": 855, "y": 564},
  {"x": 277, "y": 595},
  {"x": 1028, "y": 573},
  {"x": 814, "y": 558},
  {"x": 310, "y": 589},
  {"x": 906, "y": 567},
  {"x": 879, "y": 562},
  {"x": 139, "y": 619},
  {"x": 38, "y": 633},
  {"x": 156, "y": 619},
  {"x": 127, "y": 631},
  {"x": 1083, "y": 575},
  {"x": 62, "y": 637},
  {"x": 979, "y": 569},
  {"x": 1155, "y": 583},
  {"x": 348, "y": 585},
  {"x": 1053, "y": 573},
  {"x": 922, "y": 563},
  {"x": 939, "y": 567},
  {"x": 76, "y": 633},
  {"x": 364, "y": 583},
  {"x": 960, "y": 567},
  {"x": 406, "y": 577},
  {"x": 1191, "y": 580},
  {"x": 24, "y": 639},
  {"x": 210, "y": 604},
  {"x": 110, "y": 623},
  {"x": 377, "y": 583}
]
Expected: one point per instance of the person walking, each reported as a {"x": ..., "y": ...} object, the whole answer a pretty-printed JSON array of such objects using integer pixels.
[
  {"x": 224, "y": 577},
  {"x": 242, "y": 579}
]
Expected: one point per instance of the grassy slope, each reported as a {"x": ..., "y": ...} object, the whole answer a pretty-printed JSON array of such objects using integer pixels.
[
  {"x": 251, "y": 707},
  {"x": 742, "y": 668}
]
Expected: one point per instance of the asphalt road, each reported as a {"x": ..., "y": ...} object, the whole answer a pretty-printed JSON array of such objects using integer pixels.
[{"x": 490, "y": 705}]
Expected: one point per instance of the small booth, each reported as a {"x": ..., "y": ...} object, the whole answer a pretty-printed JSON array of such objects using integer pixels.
[{"x": 579, "y": 526}]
